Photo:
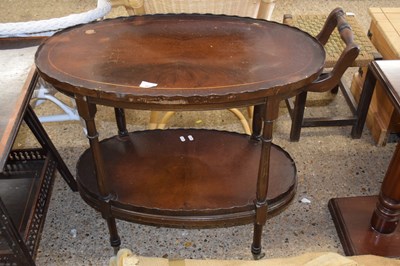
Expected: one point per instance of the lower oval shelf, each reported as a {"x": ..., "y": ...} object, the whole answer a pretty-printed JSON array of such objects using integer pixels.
[{"x": 186, "y": 177}]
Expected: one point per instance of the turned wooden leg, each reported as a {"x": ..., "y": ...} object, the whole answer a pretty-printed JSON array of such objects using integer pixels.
[
  {"x": 362, "y": 234},
  {"x": 88, "y": 111},
  {"x": 387, "y": 212},
  {"x": 369, "y": 224},
  {"x": 261, "y": 206},
  {"x": 256, "y": 247}
]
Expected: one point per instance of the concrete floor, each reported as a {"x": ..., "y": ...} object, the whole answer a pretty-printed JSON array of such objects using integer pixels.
[{"x": 329, "y": 164}]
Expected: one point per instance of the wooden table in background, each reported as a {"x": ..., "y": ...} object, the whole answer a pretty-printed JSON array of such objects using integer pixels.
[
  {"x": 384, "y": 32},
  {"x": 369, "y": 224},
  {"x": 26, "y": 175}
]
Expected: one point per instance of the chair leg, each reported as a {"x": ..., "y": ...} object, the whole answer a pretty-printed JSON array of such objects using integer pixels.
[
  {"x": 242, "y": 120},
  {"x": 153, "y": 123},
  {"x": 298, "y": 115},
  {"x": 165, "y": 119},
  {"x": 250, "y": 111}
]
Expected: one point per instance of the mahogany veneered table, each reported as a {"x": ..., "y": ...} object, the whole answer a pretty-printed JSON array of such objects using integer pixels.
[{"x": 183, "y": 177}]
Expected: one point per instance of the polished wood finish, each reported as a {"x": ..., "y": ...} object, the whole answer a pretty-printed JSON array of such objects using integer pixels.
[
  {"x": 352, "y": 218},
  {"x": 198, "y": 62},
  {"x": 385, "y": 211},
  {"x": 172, "y": 180},
  {"x": 261, "y": 9}
]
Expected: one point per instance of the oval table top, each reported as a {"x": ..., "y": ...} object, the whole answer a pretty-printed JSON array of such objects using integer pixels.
[{"x": 188, "y": 59}]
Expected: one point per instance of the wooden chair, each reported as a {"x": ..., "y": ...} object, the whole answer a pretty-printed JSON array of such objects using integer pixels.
[
  {"x": 348, "y": 46},
  {"x": 248, "y": 8}
]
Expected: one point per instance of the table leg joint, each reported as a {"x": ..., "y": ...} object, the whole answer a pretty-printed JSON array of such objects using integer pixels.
[{"x": 261, "y": 212}]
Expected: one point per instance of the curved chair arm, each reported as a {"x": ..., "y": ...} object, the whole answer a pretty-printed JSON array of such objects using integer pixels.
[
  {"x": 330, "y": 23},
  {"x": 132, "y": 7},
  {"x": 329, "y": 80},
  {"x": 335, "y": 18}
]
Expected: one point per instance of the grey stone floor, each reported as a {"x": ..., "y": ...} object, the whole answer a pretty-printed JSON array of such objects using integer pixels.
[{"x": 329, "y": 164}]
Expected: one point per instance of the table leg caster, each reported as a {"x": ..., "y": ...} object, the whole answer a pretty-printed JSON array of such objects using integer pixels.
[
  {"x": 116, "y": 249},
  {"x": 257, "y": 254},
  {"x": 115, "y": 240},
  {"x": 115, "y": 244}
]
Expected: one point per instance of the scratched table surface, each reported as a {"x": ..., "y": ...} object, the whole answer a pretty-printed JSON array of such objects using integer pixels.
[{"x": 15, "y": 65}]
